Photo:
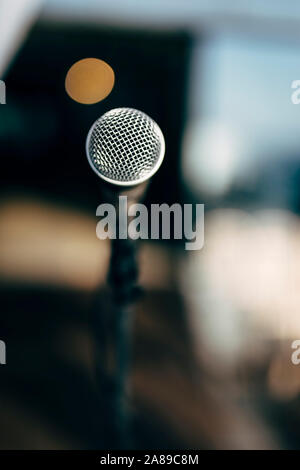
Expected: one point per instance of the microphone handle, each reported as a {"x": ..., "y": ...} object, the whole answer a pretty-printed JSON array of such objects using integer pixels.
[{"x": 134, "y": 194}]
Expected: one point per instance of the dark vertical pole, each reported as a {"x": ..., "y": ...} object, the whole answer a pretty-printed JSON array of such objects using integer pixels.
[{"x": 123, "y": 277}]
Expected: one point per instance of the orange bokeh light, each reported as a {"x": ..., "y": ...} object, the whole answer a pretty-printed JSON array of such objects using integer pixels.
[{"x": 89, "y": 81}]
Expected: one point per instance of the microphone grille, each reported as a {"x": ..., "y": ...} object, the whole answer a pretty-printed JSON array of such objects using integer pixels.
[{"x": 125, "y": 146}]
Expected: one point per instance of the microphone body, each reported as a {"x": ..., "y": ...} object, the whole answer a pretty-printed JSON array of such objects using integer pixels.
[{"x": 125, "y": 148}]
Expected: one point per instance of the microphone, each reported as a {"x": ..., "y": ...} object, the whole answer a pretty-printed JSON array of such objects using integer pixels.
[{"x": 125, "y": 148}]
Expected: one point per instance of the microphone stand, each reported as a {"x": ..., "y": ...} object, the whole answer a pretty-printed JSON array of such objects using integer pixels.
[
  {"x": 123, "y": 278},
  {"x": 123, "y": 275}
]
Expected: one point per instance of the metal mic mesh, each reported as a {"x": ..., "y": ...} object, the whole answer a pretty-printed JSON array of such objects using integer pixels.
[{"x": 125, "y": 146}]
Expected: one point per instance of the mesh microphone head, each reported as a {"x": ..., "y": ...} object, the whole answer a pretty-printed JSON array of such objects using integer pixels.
[{"x": 125, "y": 147}]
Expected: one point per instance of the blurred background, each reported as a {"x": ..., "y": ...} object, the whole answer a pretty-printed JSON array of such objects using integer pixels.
[{"x": 213, "y": 331}]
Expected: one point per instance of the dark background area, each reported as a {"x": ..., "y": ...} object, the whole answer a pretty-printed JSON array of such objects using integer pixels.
[{"x": 48, "y": 154}]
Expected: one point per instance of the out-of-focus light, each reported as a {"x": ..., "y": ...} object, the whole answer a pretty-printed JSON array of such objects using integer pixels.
[
  {"x": 15, "y": 19},
  {"x": 209, "y": 157},
  {"x": 50, "y": 245},
  {"x": 243, "y": 288},
  {"x": 89, "y": 81}
]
